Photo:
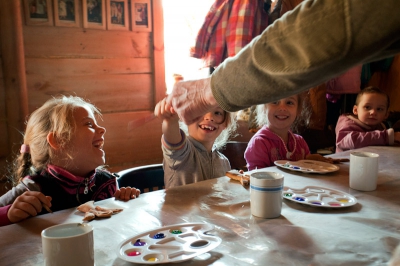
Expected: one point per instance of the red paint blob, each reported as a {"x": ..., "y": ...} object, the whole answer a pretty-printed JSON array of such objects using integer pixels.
[{"x": 134, "y": 253}]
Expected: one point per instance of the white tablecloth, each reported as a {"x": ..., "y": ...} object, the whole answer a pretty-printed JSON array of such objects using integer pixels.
[{"x": 363, "y": 234}]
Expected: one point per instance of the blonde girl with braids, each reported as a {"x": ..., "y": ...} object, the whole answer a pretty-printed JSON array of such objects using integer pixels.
[{"x": 60, "y": 165}]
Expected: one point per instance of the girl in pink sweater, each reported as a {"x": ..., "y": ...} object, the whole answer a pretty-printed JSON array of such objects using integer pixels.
[{"x": 275, "y": 140}]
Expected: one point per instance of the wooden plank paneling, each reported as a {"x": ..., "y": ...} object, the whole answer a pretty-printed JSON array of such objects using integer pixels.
[
  {"x": 75, "y": 67},
  {"x": 54, "y": 42},
  {"x": 3, "y": 119},
  {"x": 4, "y": 150},
  {"x": 13, "y": 73},
  {"x": 126, "y": 146},
  {"x": 110, "y": 93},
  {"x": 158, "y": 46},
  {"x": 113, "y": 70},
  {"x": 121, "y": 72}
]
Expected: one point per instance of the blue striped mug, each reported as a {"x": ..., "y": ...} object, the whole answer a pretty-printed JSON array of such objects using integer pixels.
[{"x": 266, "y": 194}]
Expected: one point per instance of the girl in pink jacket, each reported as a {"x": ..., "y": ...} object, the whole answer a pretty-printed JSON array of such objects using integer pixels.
[{"x": 275, "y": 140}]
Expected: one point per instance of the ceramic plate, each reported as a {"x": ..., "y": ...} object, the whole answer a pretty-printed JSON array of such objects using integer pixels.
[
  {"x": 319, "y": 197},
  {"x": 174, "y": 243},
  {"x": 307, "y": 166}
]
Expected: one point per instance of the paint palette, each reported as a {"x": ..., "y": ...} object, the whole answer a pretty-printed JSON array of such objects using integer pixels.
[
  {"x": 308, "y": 166},
  {"x": 174, "y": 243},
  {"x": 319, "y": 197}
]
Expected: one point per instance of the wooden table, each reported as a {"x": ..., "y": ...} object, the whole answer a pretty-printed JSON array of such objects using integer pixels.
[{"x": 363, "y": 234}]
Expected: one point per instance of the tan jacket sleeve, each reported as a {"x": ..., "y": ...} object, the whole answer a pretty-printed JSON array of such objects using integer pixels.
[{"x": 315, "y": 42}]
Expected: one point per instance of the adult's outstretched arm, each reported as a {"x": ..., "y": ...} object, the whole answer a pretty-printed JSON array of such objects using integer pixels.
[
  {"x": 313, "y": 43},
  {"x": 318, "y": 40}
]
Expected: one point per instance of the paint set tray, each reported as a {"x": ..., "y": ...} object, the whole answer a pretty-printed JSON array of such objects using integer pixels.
[
  {"x": 308, "y": 166},
  {"x": 319, "y": 197},
  {"x": 173, "y": 243}
]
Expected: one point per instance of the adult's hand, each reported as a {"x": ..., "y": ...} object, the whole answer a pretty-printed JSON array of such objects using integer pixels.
[
  {"x": 192, "y": 99},
  {"x": 28, "y": 204}
]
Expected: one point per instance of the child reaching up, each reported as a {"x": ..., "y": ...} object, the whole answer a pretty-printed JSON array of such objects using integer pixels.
[
  {"x": 194, "y": 157},
  {"x": 275, "y": 140},
  {"x": 59, "y": 164},
  {"x": 364, "y": 127}
]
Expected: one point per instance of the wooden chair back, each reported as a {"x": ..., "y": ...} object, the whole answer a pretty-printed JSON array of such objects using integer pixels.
[{"x": 234, "y": 151}]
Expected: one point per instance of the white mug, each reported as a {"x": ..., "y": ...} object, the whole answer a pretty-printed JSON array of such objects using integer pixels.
[
  {"x": 363, "y": 170},
  {"x": 266, "y": 194},
  {"x": 68, "y": 244}
]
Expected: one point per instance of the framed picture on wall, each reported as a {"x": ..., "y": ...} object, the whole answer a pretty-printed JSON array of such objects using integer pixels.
[
  {"x": 141, "y": 15},
  {"x": 38, "y": 12},
  {"x": 117, "y": 15},
  {"x": 94, "y": 14},
  {"x": 66, "y": 13}
]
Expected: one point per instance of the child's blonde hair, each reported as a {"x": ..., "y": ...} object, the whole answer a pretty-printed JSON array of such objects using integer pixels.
[
  {"x": 55, "y": 115},
  {"x": 303, "y": 113},
  {"x": 228, "y": 132}
]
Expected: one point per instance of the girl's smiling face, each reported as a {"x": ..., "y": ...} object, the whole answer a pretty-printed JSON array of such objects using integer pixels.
[
  {"x": 208, "y": 127},
  {"x": 85, "y": 148},
  {"x": 282, "y": 114}
]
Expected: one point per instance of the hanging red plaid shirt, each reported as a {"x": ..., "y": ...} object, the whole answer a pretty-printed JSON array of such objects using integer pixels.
[{"x": 228, "y": 27}]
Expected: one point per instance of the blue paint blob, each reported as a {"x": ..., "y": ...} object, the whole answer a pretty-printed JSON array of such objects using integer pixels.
[
  {"x": 159, "y": 236},
  {"x": 299, "y": 198},
  {"x": 296, "y": 167}
]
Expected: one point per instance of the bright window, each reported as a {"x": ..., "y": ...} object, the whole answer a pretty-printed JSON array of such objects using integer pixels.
[{"x": 182, "y": 21}]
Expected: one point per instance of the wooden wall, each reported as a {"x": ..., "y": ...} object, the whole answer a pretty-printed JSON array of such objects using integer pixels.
[
  {"x": 390, "y": 83},
  {"x": 3, "y": 119},
  {"x": 120, "y": 71}
]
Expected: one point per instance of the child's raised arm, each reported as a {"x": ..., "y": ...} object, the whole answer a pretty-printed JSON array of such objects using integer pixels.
[{"x": 170, "y": 122}]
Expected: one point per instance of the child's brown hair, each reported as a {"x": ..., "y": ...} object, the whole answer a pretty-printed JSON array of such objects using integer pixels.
[{"x": 372, "y": 90}]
